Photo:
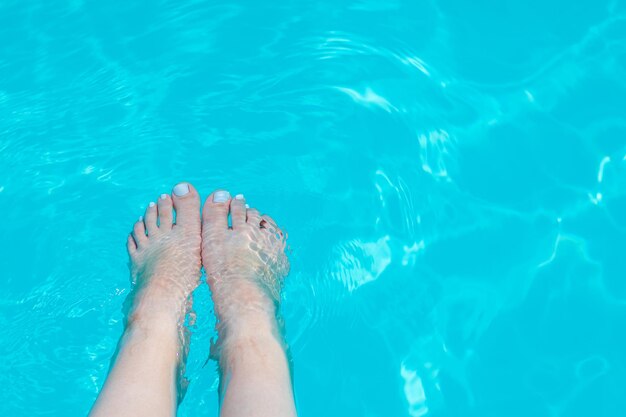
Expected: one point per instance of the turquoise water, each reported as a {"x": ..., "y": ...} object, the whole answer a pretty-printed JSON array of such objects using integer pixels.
[{"x": 451, "y": 175}]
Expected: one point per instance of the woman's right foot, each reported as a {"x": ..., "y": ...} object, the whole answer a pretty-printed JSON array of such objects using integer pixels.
[{"x": 245, "y": 265}]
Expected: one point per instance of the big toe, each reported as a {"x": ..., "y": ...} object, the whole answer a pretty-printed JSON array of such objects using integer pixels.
[
  {"x": 186, "y": 202},
  {"x": 215, "y": 213}
]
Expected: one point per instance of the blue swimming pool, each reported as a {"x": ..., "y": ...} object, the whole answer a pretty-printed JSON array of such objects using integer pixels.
[{"x": 451, "y": 174}]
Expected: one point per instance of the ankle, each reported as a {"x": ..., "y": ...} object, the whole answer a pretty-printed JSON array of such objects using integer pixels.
[
  {"x": 241, "y": 297},
  {"x": 150, "y": 311},
  {"x": 248, "y": 329},
  {"x": 145, "y": 320}
]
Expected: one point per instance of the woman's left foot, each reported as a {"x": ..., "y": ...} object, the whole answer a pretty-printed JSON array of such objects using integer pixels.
[{"x": 165, "y": 256}]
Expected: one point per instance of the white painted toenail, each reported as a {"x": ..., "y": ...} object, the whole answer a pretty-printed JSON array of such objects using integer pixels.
[
  {"x": 140, "y": 218},
  {"x": 221, "y": 196},
  {"x": 247, "y": 205},
  {"x": 181, "y": 189},
  {"x": 239, "y": 196},
  {"x": 163, "y": 196},
  {"x": 151, "y": 204}
]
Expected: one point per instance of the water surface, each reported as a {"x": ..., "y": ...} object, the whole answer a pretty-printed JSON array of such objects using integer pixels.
[{"x": 451, "y": 175}]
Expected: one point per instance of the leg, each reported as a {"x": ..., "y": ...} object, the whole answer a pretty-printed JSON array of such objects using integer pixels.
[
  {"x": 165, "y": 269},
  {"x": 245, "y": 267}
]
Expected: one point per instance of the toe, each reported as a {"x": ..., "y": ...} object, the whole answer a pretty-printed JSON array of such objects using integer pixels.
[
  {"x": 165, "y": 212},
  {"x": 270, "y": 224},
  {"x": 254, "y": 217},
  {"x": 131, "y": 246},
  {"x": 238, "y": 211},
  {"x": 186, "y": 201},
  {"x": 267, "y": 222},
  {"x": 150, "y": 219},
  {"x": 139, "y": 233},
  {"x": 215, "y": 212}
]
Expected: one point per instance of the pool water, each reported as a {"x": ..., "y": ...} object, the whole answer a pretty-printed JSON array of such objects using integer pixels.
[{"x": 451, "y": 174}]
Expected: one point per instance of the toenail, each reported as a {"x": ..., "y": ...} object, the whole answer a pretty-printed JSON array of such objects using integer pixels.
[
  {"x": 163, "y": 196},
  {"x": 239, "y": 197},
  {"x": 221, "y": 196},
  {"x": 151, "y": 204},
  {"x": 140, "y": 218},
  {"x": 181, "y": 189},
  {"x": 247, "y": 205}
]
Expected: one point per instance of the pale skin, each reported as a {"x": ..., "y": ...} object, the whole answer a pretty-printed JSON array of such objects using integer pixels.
[{"x": 245, "y": 265}]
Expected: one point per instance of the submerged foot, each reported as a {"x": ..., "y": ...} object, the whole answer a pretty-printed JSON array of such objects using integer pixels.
[
  {"x": 165, "y": 255},
  {"x": 245, "y": 264}
]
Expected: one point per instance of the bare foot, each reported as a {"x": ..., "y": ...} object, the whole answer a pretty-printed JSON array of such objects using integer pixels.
[
  {"x": 148, "y": 367},
  {"x": 165, "y": 256},
  {"x": 245, "y": 264}
]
